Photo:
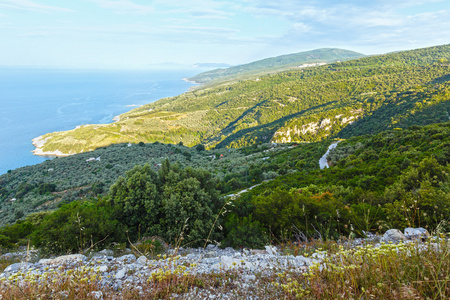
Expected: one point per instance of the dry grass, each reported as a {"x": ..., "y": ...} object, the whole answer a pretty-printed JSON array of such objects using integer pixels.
[{"x": 403, "y": 271}]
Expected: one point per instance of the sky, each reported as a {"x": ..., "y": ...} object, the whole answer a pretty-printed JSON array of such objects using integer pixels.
[{"x": 136, "y": 34}]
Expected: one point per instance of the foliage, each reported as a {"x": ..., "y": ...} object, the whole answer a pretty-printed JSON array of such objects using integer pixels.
[
  {"x": 275, "y": 64},
  {"x": 73, "y": 178},
  {"x": 200, "y": 147},
  {"x": 394, "y": 179},
  {"x": 343, "y": 99},
  {"x": 174, "y": 203},
  {"x": 245, "y": 232},
  {"x": 78, "y": 227}
]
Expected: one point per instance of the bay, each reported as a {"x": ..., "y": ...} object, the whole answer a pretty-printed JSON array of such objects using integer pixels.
[{"x": 38, "y": 101}]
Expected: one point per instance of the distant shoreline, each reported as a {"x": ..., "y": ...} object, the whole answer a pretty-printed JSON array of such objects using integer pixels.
[
  {"x": 39, "y": 142},
  {"x": 190, "y": 81}
]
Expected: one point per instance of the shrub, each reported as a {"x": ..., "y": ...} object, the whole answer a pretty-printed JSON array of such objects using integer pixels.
[
  {"x": 77, "y": 227},
  {"x": 200, "y": 147},
  {"x": 150, "y": 246},
  {"x": 174, "y": 203},
  {"x": 244, "y": 232}
]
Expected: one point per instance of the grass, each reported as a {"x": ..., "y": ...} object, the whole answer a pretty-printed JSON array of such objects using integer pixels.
[
  {"x": 403, "y": 271},
  {"x": 390, "y": 271},
  {"x": 5, "y": 262}
]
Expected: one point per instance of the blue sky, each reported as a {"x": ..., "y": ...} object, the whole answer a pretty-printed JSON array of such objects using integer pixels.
[{"x": 139, "y": 33}]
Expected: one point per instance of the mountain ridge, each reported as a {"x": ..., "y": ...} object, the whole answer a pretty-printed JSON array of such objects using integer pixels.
[
  {"x": 277, "y": 63},
  {"x": 354, "y": 97}
]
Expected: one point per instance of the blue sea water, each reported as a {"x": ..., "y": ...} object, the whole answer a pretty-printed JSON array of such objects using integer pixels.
[{"x": 37, "y": 101}]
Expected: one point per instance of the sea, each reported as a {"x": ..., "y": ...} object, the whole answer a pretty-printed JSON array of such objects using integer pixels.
[{"x": 36, "y": 101}]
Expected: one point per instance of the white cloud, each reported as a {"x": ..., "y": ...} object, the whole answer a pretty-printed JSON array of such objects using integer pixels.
[
  {"x": 31, "y": 6},
  {"x": 198, "y": 9},
  {"x": 301, "y": 27},
  {"x": 124, "y": 6}
]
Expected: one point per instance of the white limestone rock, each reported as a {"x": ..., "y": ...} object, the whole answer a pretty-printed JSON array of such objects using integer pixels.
[
  {"x": 394, "y": 236},
  {"x": 416, "y": 233},
  {"x": 64, "y": 259}
]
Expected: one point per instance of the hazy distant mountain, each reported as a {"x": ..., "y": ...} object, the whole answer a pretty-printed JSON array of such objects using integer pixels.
[
  {"x": 324, "y": 55},
  {"x": 211, "y": 65}
]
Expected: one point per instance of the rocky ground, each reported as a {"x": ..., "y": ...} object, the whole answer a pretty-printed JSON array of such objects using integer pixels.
[{"x": 131, "y": 272}]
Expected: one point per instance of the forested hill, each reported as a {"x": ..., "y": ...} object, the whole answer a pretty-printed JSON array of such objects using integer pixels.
[
  {"x": 395, "y": 179},
  {"x": 272, "y": 64},
  {"x": 55, "y": 182},
  {"x": 356, "y": 97}
]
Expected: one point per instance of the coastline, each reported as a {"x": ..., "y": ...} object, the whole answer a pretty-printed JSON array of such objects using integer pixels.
[
  {"x": 190, "y": 81},
  {"x": 39, "y": 142}
]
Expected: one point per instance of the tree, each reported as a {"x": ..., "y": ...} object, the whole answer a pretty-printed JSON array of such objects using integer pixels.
[
  {"x": 172, "y": 203},
  {"x": 136, "y": 198}
]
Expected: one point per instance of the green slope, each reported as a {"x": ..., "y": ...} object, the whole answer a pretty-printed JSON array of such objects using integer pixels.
[
  {"x": 343, "y": 99},
  {"x": 394, "y": 179},
  {"x": 48, "y": 185},
  {"x": 272, "y": 64}
]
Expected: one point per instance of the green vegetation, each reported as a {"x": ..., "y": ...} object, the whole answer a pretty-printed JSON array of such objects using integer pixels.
[
  {"x": 274, "y": 64},
  {"x": 363, "y": 96},
  {"x": 56, "y": 182},
  {"x": 173, "y": 204},
  {"x": 394, "y": 179},
  {"x": 390, "y": 170}
]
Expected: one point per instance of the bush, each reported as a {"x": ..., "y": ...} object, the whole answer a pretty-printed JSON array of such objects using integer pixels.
[
  {"x": 175, "y": 204},
  {"x": 150, "y": 246},
  {"x": 77, "y": 227},
  {"x": 5, "y": 242},
  {"x": 200, "y": 147},
  {"x": 245, "y": 233}
]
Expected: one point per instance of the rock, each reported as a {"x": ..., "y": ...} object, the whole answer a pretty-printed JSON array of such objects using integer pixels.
[
  {"x": 302, "y": 261},
  {"x": 142, "y": 260},
  {"x": 126, "y": 258},
  {"x": 18, "y": 266},
  {"x": 232, "y": 263},
  {"x": 63, "y": 259},
  {"x": 96, "y": 294},
  {"x": 120, "y": 274},
  {"x": 103, "y": 268},
  {"x": 256, "y": 251},
  {"x": 394, "y": 236},
  {"x": 271, "y": 250},
  {"x": 106, "y": 252},
  {"x": 211, "y": 247},
  {"x": 416, "y": 233}
]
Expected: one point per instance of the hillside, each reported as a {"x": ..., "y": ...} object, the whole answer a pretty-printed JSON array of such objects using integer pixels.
[
  {"x": 344, "y": 99},
  {"x": 272, "y": 64},
  {"x": 395, "y": 179},
  {"x": 49, "y": 185}
]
